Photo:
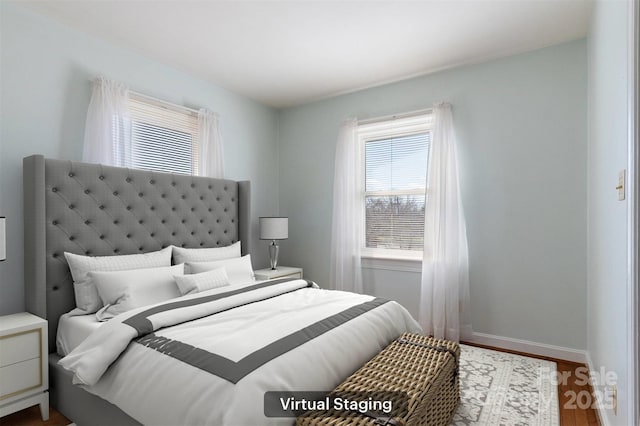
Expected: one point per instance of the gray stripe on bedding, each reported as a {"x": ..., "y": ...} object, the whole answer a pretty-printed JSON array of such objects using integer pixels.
[
  {"x": 141, "y": 323},
  {"x": 234, "y": 371}
]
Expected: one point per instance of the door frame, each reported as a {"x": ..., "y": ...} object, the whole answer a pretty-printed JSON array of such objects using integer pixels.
[{"x": 633, "y": 215}]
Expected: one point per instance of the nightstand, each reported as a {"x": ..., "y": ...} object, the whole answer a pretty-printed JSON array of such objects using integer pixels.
[
  {"x": 281, "y": 272},
  {"x": 24, "y": 367}
]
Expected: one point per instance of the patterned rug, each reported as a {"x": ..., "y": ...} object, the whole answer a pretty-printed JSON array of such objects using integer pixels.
[{"x": 498, "y": 388}]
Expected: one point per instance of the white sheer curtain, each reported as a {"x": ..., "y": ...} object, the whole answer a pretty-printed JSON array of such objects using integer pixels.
[
  {"x": 346, "y": 230},
  {"x": 107, "y": 134},
  {"x": 444, "y": 296},
  {"x": 211, "y": 155}
]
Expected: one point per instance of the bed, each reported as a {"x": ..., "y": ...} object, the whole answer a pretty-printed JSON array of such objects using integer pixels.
[{"x": 95, "y": 210}]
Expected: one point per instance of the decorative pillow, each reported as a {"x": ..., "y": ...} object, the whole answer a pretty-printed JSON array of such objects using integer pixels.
[
  {"x": 195, "y": 283},
  {"x": 238, "y": 270},
  {"x": 122, "y": 291},
  {"x": 87, "y": 297},
  {"x": 182, "y": 255}
]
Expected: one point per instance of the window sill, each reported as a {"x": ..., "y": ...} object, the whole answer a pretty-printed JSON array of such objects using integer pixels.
[{"x": 391, "y": 262}]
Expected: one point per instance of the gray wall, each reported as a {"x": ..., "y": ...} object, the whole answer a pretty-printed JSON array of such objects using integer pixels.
[
  {"x": 521, "y": 125},
  {"x": 607, "y": 225},
  {"x": 45, "y": 90}
]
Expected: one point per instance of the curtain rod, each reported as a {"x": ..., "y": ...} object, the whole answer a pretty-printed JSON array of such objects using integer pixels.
[
  {"x": 395, "y": 116},
  {"x": 163, "y": 103}
]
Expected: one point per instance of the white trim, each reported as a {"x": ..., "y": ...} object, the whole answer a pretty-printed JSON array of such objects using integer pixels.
[
  {"x": 534, "y": 348},
  {"x": 633, "y": 217},
  {"x": 390, "y": 264},
  {"x": 602, "y": 417}
]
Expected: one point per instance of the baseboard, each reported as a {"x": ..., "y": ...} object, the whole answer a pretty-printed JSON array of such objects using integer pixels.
[
  {"x": 602, "y": 418},
  {"x": 542, "y": 349}
]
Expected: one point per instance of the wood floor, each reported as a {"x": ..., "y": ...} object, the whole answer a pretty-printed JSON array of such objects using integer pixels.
[{"x": 570, "y": 412}]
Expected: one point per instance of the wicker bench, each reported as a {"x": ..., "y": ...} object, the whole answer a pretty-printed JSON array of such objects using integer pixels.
[{"x": 418, "y": 373}]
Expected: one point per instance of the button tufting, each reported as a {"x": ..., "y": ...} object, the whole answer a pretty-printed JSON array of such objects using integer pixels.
[
  {"x": 173, "y": 184},
  {"x": 71, "y": 238},
  {"x": 141, "y": 222},
  {"x": 209, "y": 187},
  {"x": 193, "y": 209},
  {"x": 101, "y": 207},
  {"x": 201, "y": 198},
  {"x": 182, "y": 221},
  {"x": 193, "y": 233},
  {"x": 201, "y": 244},
  {"x": 141, "y": 248},
  {"x": 128, "y": 235},
  {"x": 54, "y": 189},
  {"x": 182, "y": 245},
  {"x": 173, "y": 234},
  {"x": 162, "y": 221},
  {"x": 217, "y": 220},
  {"x": 87, "y": 222},
  {"x": 101, "y": 177},
  {"x": 152, "y": 208},
  {"x": 101, "y": 237},
  {"x": 86, "y": 191},
  {"x": 209, "y": 232},
  {"x": 71, "y": 206},
  {"x": 225, "y": 231},
  {"x": 140, "y": 195},
  {"x": 116, "y": 250},
  {"x": 55, "y": 288},
  {"x": 87, "y": 253},
  {"x": 193, "y": 185},
  {"x": 54, "y": 223},
  {"x": 115, "y": 193},
  {"x": 152, "y": 182},
  {"x": 115, "y": 222},
  {"x": 128, "y": 207},
  {"x": 183, "y": 196},
  {"x": 70, "y": 174},
  {"x": 163, "y": 196},
  {"x": 201, "y": 221},
  {"x": 152, "y": 235},
  {"x": 54, "y": 255},
  {"x": 128, "y": 180}
]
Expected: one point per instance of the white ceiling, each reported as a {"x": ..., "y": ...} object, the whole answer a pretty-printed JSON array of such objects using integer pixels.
[{"x": 286, "y": 53}]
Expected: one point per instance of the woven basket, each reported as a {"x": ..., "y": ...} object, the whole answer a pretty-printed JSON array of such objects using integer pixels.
[{"x": 420, "y": 375}]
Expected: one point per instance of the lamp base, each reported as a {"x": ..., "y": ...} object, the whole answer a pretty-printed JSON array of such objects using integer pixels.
[{"x": 273, "y": 254}]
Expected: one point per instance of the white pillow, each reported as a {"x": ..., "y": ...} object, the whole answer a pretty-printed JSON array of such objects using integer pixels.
[
  {"x": 182, "y": 255},
  {"x": 238, "y": 270},
  {"x": 195, "y": 283},
  {"x": 87, "y": 297},
  {"x": 122, "y": 291}
]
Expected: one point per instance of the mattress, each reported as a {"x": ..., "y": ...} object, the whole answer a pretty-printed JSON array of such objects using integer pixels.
[{"x": 73, "y": 329}]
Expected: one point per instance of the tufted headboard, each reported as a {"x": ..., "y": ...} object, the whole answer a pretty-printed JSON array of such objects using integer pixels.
[{"x": 97, "y": 210}]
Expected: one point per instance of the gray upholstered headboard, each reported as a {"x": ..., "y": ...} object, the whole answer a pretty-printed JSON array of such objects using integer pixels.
[{"x": 97, "y": 210}]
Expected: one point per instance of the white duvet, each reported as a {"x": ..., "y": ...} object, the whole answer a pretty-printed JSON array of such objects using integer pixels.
[{"x": 156, "y": 388}]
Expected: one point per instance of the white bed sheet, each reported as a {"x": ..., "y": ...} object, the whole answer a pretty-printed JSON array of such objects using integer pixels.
[{"x": 73, "y": 329}]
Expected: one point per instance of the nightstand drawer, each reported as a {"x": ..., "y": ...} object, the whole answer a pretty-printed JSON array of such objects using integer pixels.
[
  {"x": 19, "y": 347},
  {"x": 294, "y": 275},
  {"x": 19, "y": 377}
]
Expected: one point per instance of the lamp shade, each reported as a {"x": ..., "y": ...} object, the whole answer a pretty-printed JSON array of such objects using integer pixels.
[
  {"x": 274, "y": 228},
  {"x": 3, "y": 234}
]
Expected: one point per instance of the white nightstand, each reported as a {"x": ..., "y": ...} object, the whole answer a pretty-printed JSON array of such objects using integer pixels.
[
  {"x": 24, "y": 367},
  {"x": 281, "y": 272}
]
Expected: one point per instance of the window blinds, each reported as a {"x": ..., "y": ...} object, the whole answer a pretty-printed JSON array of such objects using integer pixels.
[
  {"x": 395, "y": 181},
  {"x": 163, "y": 137}
]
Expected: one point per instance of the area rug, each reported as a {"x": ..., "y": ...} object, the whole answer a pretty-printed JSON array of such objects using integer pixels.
[{"x": 498, "y": 388}]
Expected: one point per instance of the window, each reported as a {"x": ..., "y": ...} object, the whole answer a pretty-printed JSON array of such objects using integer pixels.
[
  {"x": 395, "y": 158},
  {"x": 164, "y": 137}
]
